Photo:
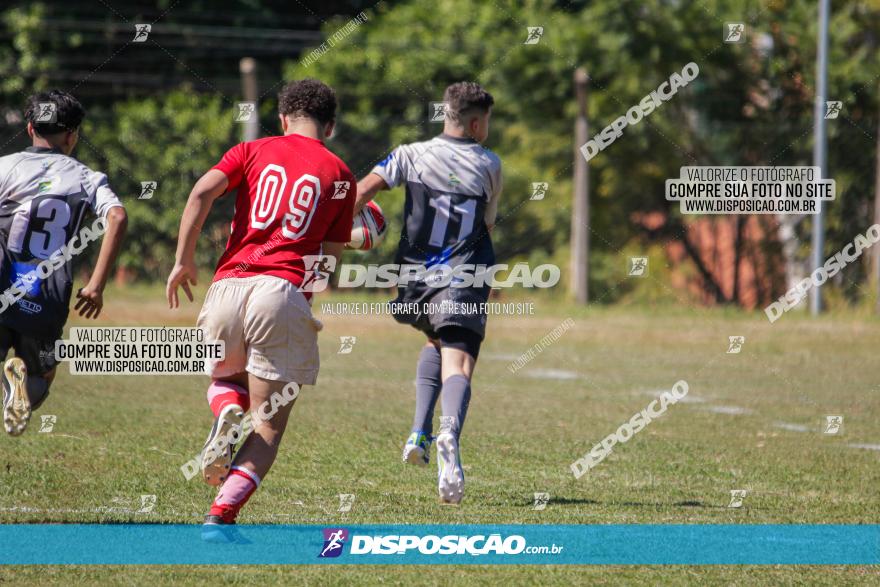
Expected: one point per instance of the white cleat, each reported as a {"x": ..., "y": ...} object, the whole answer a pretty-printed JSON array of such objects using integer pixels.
[
  {"x": 217, "y": 454},
  {"x": 16, "y": 404},
  {"x": 450, "y": 474}
]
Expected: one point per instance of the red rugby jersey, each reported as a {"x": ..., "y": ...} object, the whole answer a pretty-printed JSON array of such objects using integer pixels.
[{"x": 293, "y": 194}]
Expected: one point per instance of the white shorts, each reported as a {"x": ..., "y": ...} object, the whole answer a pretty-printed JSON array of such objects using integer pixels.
[{"x": 267, "y": 325}]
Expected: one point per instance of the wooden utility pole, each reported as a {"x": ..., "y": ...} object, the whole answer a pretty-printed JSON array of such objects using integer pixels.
[
  {"x": 248, "y": 69},
  {"x": 875, "y": 251},
  {"x": 580, "y": 209}
]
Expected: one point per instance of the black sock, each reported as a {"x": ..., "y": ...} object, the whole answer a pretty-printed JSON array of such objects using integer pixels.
[
  {"x": 427, "y": 389},
  {"x": 37, "y": 390}
]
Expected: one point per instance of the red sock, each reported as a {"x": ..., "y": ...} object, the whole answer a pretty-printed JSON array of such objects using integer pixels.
[
  {"x": 234, "y": 493},
  {"x": 223, "y": 393}
]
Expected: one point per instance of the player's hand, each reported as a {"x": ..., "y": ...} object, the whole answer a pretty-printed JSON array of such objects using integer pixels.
[
  {"x": 183, "y": 275},
  {"x": 90, "y": 300}
]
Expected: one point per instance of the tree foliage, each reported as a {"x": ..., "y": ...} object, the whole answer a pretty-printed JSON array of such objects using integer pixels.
[
  {"x": 171, "y": 140},
  {"x": 752, "y": 104}
]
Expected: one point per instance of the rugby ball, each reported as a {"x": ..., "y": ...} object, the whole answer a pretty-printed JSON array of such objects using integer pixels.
[{"x": 369, "y": 228}]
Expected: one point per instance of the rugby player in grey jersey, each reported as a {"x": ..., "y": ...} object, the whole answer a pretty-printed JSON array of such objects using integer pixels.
[
  {"x": 45, "y": 196},
  {"x": 452, "y": 186}
]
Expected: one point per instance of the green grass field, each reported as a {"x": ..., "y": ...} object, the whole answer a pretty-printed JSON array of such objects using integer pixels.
[{"x": 751, "y": 421}]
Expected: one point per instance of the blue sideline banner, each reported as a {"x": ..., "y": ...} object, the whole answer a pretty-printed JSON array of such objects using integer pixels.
[{"x": 688, "y": 544}]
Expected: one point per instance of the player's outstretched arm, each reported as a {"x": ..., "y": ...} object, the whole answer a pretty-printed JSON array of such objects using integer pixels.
[
  {"x": 367, "y": 189},
  {"x": 91, "y": 297},
  {"x": 210, "y": 186}
]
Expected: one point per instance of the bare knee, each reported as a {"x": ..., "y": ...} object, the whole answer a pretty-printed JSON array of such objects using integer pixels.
[{"x": 456, "y": 362}]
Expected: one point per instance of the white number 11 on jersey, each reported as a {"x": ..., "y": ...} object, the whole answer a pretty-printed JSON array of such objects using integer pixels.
[{"x": 443, "y": 204}]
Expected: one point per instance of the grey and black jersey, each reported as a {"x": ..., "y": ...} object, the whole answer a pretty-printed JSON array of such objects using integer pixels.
[
  {"x": 452, "y": 191},
  {"x": 44, "y": 198}
]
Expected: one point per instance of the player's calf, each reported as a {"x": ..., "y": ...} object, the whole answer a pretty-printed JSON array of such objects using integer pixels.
[
  {"x": 416, "y": 450},
  {"x": 459, "y": 349},
  {"x": 272, "y": 406}
]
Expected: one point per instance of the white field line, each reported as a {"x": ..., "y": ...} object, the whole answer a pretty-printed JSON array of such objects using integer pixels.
[
  {"x": 864, "y": 446},
  {"x": 558, "y": 374},
  {"x": 793, "y": 427},
  {"x": 728, "y": 410}
]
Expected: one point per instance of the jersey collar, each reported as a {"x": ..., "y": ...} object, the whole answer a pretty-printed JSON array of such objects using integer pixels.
[
  {"x": 299, "y": 136},
  {"x": 44, "y": 150},
  {"x": 456, "y": 139}
]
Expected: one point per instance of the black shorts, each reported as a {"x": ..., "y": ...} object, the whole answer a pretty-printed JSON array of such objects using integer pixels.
[
  {"x": 38, "y": 354},
  {"x": 430, "y": 309},
  {"x": 458, "y": 337}
]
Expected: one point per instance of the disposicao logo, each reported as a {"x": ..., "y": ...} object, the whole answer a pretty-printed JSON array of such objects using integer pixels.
[
  {"x": 334, "y": 540},
  {"x": 443, "y": 545}
]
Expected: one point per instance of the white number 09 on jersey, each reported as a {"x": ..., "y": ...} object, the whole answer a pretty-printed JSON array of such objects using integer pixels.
[{"x": 300, "y": 206}]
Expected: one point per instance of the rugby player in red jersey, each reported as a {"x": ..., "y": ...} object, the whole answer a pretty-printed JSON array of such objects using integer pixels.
[{"x": 295, "y": 199}]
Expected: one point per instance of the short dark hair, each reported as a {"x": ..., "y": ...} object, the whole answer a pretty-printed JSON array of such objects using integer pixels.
[
  {"x": 68, "y": 115},
  {"x": 466, "y": 98},
  {"x": 308, "y": 97}
]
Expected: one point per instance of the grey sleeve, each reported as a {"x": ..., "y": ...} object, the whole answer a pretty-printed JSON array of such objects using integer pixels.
[
  {"x": 394, "y": 168},
  {"x": 495, "y": 196},
  {"x": 104, "y": 198},
  {"x": 7, "y": 169}
]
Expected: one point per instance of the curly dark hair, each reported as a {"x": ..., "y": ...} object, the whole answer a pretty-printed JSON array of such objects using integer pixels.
[
  {"x": 466, "y": 98},
  {"x": 308, "y": 97},
  {"x": 67, "y": 117}
]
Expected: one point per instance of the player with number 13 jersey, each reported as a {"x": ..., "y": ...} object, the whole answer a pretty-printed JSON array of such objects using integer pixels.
[{"x": 52, "y": 209}]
